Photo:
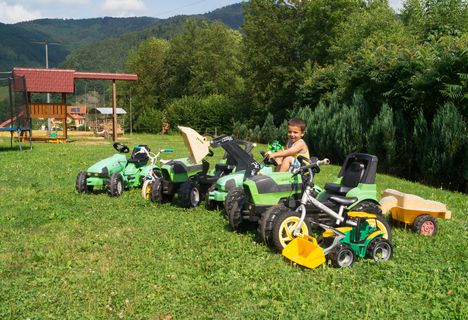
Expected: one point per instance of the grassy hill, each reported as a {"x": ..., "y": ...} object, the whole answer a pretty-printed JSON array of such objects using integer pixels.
[
  {"x": 16, "y": 48},
  {"x": 67, "y": 255}
]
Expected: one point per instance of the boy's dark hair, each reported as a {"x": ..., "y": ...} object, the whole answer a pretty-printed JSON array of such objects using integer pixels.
[{"x": 297, "y": 122}]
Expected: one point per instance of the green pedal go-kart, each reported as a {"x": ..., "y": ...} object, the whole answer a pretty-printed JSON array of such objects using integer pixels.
[
  {"x": 116, "y": 173},
  {"x": 271, "y": 200}
]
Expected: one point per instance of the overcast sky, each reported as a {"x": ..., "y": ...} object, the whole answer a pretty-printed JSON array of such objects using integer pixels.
[{"x": 12, "y": 11}]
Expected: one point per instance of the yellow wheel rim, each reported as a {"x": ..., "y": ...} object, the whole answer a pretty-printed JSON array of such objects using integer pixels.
[
  {"x": 380, "y": 226},
  {"x": 146, "y": 189},
  {"x": 287, "y": 227}
]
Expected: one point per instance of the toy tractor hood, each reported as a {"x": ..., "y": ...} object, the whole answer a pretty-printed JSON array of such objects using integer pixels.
[{"x": 197, "y": 145}]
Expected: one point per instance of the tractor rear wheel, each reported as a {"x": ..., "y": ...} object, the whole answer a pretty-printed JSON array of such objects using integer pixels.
[
  {"x": 265, "y": 224},
  {"x": 342, "y": 256},
  {"x": 115, "y": 188},
  {"x": 373, "y": 208},
  {"x": 284, "y": 226},
  {"x": 81, "y": 185},
  {"x": 368, "y": 206},
  {"x": 426, "y": 225},
  {"x": 189, "y": 194}
]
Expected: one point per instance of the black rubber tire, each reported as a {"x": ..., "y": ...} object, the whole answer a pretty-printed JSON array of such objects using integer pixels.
[
  {"x": 80, "y": 184},
  {"x": 379, "y": 250},
  {"x": 231, "y": 197},
  {"x": 368, "y": 206},
  {"x": 383, "y": 226},
  {"x": 210, "y": 204},
  {"x": 234, "y": 214},
  {"x": 426, "y": 225},
  {"x": 373, "y": 208},
  {"x": 279, "y": 237},
  {"x": 115, "y": 188},
  {"x": 189, "y": 195},
  {"x": 265, "y": 224},
  {"x": 156, "y": 191},
  {"x": 342, "y": 256}
]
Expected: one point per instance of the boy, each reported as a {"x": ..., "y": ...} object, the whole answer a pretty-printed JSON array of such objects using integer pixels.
[{"x": 287, "y": 159}]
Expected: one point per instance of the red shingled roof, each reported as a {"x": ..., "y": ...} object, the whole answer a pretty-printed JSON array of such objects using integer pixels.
[
  {"x": 48, "y": 80},
  {"x": 62, "y": 81}
]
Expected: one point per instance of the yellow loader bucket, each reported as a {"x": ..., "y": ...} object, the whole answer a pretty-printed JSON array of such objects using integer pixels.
[{"x": 305, "y": 251}]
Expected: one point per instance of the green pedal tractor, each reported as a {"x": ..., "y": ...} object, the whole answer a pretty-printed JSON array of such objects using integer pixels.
[
  {"x": 190, "y": 177},
  {"x": 116, "y": 173},
  {"x": 279, "y": 201},
  {"x": 218, "y": 193}
]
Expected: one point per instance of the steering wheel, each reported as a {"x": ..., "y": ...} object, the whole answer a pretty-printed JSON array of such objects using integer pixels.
[{"x": 120, "y": 147}]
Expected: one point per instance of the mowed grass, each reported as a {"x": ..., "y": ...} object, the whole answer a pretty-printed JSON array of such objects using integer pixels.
[{"x": 65, "y": 255}]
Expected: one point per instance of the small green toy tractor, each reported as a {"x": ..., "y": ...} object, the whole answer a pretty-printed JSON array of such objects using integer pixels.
[
  {"x": 343, "y": 245},
  {"x": 116, "y": 173}
]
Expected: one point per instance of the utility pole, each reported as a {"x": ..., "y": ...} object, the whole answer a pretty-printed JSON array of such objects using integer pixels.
[{"x": 46, "y": 45}]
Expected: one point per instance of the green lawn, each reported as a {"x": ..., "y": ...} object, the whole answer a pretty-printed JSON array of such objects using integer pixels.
[{"x": 65, "y": 255}]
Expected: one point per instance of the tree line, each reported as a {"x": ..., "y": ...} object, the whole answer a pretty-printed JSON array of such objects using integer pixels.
[{"x": 363, "y": 77}]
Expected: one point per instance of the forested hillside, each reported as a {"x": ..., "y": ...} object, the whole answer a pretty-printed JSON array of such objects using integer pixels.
[
  {"x": 364, "y": 79},
  {"x": 16, "y": 48}
]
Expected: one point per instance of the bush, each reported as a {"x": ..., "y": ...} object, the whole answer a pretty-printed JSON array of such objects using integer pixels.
[
  {"x": 150, "y": 120},
  {"x": 205, "y": 114},
  {"x": 268, "y": 133},
  {"x": 381, "y": 138},
  {"x": 445, "y": 160},
  {"x": 240, "y": 130}
]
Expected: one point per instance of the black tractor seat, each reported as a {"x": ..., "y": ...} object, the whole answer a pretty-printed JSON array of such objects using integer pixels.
[
  {"x": 357, "y": 168},
  {"x": 139, "y": 159}
]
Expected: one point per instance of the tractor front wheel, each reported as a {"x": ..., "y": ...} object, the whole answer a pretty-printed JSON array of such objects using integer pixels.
[
  {"x": 426, "y": 225},
  {"x": 265, "y": 225},
  {"x": 115, "y": 187},
  {"x": 284, "y": 226},
  {"x": 146, "y": 189},
  {"x": 342, "y": 256},
  {"x": 379, "y": 249},
  {"x": 156, "y": 194},
  {"x": 234, "y": 213},
  {"x": 231, "y": 197},
  {"x": 81, "y": 185},
  {"x": 189, "y": 195}
]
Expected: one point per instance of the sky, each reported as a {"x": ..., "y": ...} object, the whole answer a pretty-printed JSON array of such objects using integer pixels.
[{"x": 12, "y": 11}]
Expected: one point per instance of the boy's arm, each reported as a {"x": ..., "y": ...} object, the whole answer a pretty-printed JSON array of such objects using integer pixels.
[{"x": 290, "y": 151}]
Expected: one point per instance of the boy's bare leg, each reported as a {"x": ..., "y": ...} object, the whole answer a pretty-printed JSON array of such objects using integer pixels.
[{"x": 285, "y": 164}]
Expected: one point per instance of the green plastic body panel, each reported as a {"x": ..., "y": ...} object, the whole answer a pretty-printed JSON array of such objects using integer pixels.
[
  {"x": 114, "y": 164},
  {"x": 361, "y": 192},
  {"x": 272, "y": 198},
  {"x": 179, "y": 177}
]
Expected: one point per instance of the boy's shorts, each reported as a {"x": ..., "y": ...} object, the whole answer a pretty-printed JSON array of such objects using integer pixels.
[{"x": 294, "y": 164}]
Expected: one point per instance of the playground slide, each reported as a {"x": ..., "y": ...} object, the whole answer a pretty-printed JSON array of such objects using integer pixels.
[{"x": 7, "y": 122}]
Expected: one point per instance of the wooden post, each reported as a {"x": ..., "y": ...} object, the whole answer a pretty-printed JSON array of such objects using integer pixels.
[
  {"x": 64, "y": 121},
  {"x": 114, "y": 112}
]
